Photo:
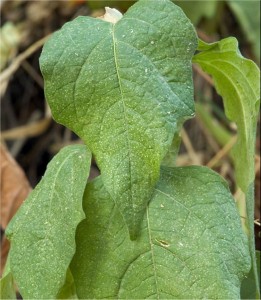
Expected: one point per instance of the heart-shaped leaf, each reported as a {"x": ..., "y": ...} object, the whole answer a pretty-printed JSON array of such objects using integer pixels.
[
  {"x": 191, "y": 244},
  {"x": 42, "y": 233},
  {"x": 124, "y": 88}
]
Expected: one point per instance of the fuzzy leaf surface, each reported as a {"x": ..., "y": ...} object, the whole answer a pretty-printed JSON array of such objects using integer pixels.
[
  {"x": 124, "y": 88},
  {"x": 42, "y": 232},
  {"x": 191, "y": 246}
]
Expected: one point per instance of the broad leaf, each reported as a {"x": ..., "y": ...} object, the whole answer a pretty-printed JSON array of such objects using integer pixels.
[
  {"x": 237, "y": 80},
  {"x": 124, "y": 88},
  {"x": 42, "y": 233},
  {"x": 191, "y": 244}
]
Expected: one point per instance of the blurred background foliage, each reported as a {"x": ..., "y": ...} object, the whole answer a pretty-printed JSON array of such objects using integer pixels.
[{"x": 30, "y": 135}]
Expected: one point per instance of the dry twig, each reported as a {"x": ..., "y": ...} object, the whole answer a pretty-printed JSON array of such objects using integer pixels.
[
  {"x": 191, "y": 151},
  {"x": 222, "y": 152},
  {"x": 26, "y": 131},
  {"x": 203, "y": 75},
  {"x": 8, "y": 72}
]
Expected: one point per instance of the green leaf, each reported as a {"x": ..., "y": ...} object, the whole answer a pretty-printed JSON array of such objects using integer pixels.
[
  {"x": 7, "y": 290},
  {"x": 42, "y": 233},
  {"x": 248, "y": 288},
  {"x": 171, "y": 156},
  {"x": 237, "y": 80},
  {"x": 248, "y": 15},
  {"x": 250, "y": 208},
  {"x": 191, "y": 244},
  {"x": 68, "y": 290},
  {"x": 124, "y": 88},
  {"x": 195, "y": 10}
]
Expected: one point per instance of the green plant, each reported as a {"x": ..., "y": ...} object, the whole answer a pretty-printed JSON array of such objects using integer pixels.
[{"x": 142, "y": 229}]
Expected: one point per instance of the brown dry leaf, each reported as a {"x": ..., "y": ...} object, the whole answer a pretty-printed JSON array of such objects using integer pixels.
[{"x": 14, "y": 188}]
